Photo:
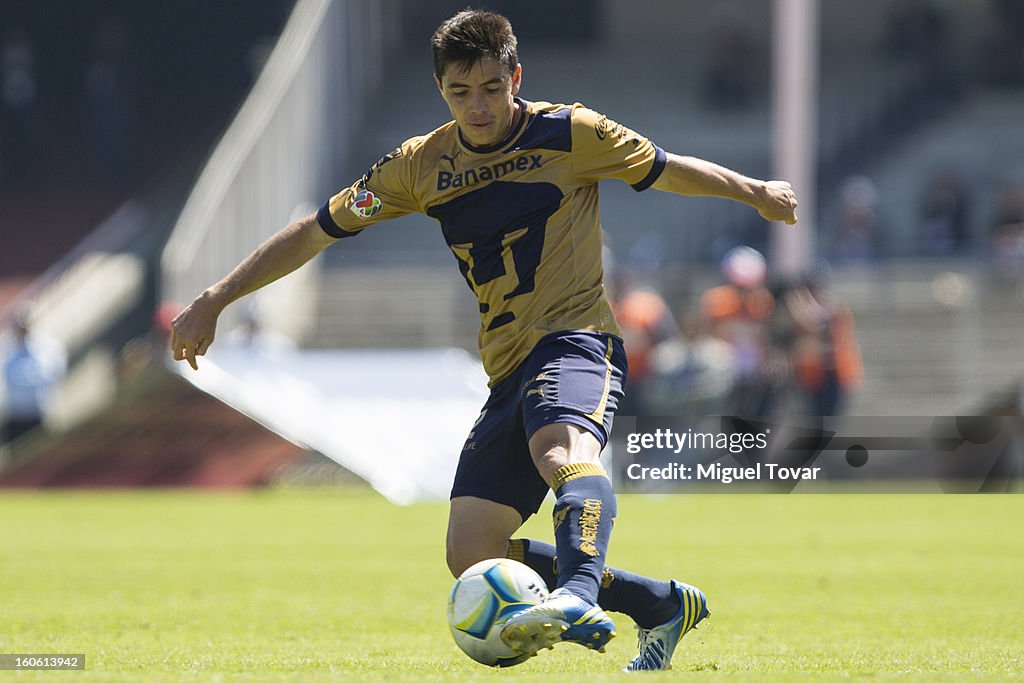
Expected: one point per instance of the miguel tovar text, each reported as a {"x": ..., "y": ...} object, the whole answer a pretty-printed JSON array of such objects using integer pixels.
[{"x": 721, "y": 473}]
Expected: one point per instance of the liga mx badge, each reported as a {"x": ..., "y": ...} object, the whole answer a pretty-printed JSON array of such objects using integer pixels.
[{"x": 366, "y": 204}]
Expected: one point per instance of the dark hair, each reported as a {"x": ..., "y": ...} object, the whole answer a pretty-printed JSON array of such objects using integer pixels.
[{"x": 472, "y": 35}]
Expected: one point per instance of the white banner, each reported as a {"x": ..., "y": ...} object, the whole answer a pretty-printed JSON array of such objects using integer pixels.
[{"x": 396, "y": 418}]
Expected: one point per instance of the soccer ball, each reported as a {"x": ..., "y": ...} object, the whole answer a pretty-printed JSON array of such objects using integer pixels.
[{"x": 483, "y": 599}]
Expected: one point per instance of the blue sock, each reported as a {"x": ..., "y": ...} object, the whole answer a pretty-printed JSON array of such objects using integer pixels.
[
  {"x": 583, "y": 516},
  {"x": 538, "y": 556},
  {"x": 647, "y": 601}
]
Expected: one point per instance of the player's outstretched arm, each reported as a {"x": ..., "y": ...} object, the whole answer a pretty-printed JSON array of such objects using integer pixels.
[
  {"x": 192, "y": 331},
  {"x": 773, "y": 199}
]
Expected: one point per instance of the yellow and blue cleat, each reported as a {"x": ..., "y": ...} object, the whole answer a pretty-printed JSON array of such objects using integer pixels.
[
  {"x": 657, "y": 644},
  {"x": 561, "y": 617}
]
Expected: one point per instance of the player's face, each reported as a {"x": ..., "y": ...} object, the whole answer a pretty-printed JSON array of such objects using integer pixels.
[{"x": 481, "y": 99}]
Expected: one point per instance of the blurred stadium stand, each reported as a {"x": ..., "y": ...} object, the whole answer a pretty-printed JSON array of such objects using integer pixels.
[
  {"x": 980, "y": 138},
  {"x": 159, "y": 431},
  {"x": 348, "y": 81},
  {"x": 80, "y": 251},
  {"x": 182, "y": 69}
]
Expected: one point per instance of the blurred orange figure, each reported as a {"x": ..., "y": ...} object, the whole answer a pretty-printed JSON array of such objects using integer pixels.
[
  {"x": 738, "y": 312},
  {"x": 645, "y": 320},
  {"x": 824, "y": 355}
]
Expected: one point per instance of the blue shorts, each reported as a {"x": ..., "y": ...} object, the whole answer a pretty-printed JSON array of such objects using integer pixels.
[{"x": 573, "y": 377}]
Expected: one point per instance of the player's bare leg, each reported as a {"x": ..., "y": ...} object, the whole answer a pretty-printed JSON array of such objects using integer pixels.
[
  {"x": 664, "y": 611},
  {"x": 568, "y": 458},
  {"x": 557, "y": 445},
  {"x": 478, "y": 529}
]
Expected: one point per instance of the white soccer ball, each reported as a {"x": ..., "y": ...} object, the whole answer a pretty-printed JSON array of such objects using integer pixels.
[{"x": 483, "y": 599}]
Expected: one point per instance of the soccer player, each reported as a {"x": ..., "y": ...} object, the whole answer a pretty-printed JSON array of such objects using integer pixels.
[{"x": 513, "y": 185}]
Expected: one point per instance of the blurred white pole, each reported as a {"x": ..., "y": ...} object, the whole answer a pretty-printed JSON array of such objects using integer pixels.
[{"x": 795, "y": 109}]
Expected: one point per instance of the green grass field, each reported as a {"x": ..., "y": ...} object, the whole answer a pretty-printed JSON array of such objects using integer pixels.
[{"x": 340, "y": 585}]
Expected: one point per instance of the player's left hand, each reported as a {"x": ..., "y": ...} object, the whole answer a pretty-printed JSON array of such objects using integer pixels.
[
  {"x": 778, "y": 202},
  {"x": 193, "y": 330}
]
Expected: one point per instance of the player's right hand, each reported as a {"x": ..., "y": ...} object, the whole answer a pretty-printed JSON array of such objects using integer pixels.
[
  {"x": 778, "y": 202},
  {"x": 193, "y": 330}
]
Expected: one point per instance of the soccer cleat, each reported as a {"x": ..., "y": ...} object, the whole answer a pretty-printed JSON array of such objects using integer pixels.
[
  {"x": 657, "y": 644},
  {"x": 561, "y": 617}
]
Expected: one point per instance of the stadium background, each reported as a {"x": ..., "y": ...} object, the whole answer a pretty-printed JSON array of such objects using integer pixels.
[
  {"x": 151, "y": 188},
  {"x": 157, "y": 151}
]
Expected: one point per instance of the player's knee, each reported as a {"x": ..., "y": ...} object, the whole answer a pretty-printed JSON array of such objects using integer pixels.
[
  {"x": 556, "y": 445},
  {"x": 461, "y": 554},
  {"x": 455, "y": 564},
  {"x": 478, "y": 530},
  {"x": 460, "y": 558}
]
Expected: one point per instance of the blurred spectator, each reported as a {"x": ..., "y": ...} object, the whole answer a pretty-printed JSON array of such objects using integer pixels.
[
  {"x": 110, "y": 104},
  {"x": 693, "y": 374},
  {"x": 856, "y": 236},
  {"x": 918, "y": 31},
  {"x": 151, "y": 349},
  {"x": 944, "y": 214},
  {"x": 738, "y": 313},
  {"x": 253, "y": 335},
  {"x": 821, "y": 345},
  {"x": 33, "y": 365},
  {"x": 1007, "y": 234},
  {"x": 20, "y": 131},
  {"x": 731, "y": 75},
  {"x": 646, "y": 321}
]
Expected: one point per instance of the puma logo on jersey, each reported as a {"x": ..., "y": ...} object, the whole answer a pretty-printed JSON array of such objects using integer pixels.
[
  {"x": 539, "y": 390},
  {"x": 558, "y": 516},
  {"x": 450, "y": 159},
  {"x": 447, "y": 179}
]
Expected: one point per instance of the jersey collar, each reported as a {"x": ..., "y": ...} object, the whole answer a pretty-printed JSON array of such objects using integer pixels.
[{"x": 516, "y": 129}]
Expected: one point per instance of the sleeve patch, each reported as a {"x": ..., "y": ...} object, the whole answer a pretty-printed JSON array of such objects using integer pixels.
[{"x": 366, "y": 204}]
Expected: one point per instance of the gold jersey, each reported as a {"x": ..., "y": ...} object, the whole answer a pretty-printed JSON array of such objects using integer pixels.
[{"x": 521, "y": 217}]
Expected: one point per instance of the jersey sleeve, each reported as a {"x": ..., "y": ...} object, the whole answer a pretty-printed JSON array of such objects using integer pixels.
[
  {"x": 382, "y": 193},
  {"x": 602, "y": 148}
]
